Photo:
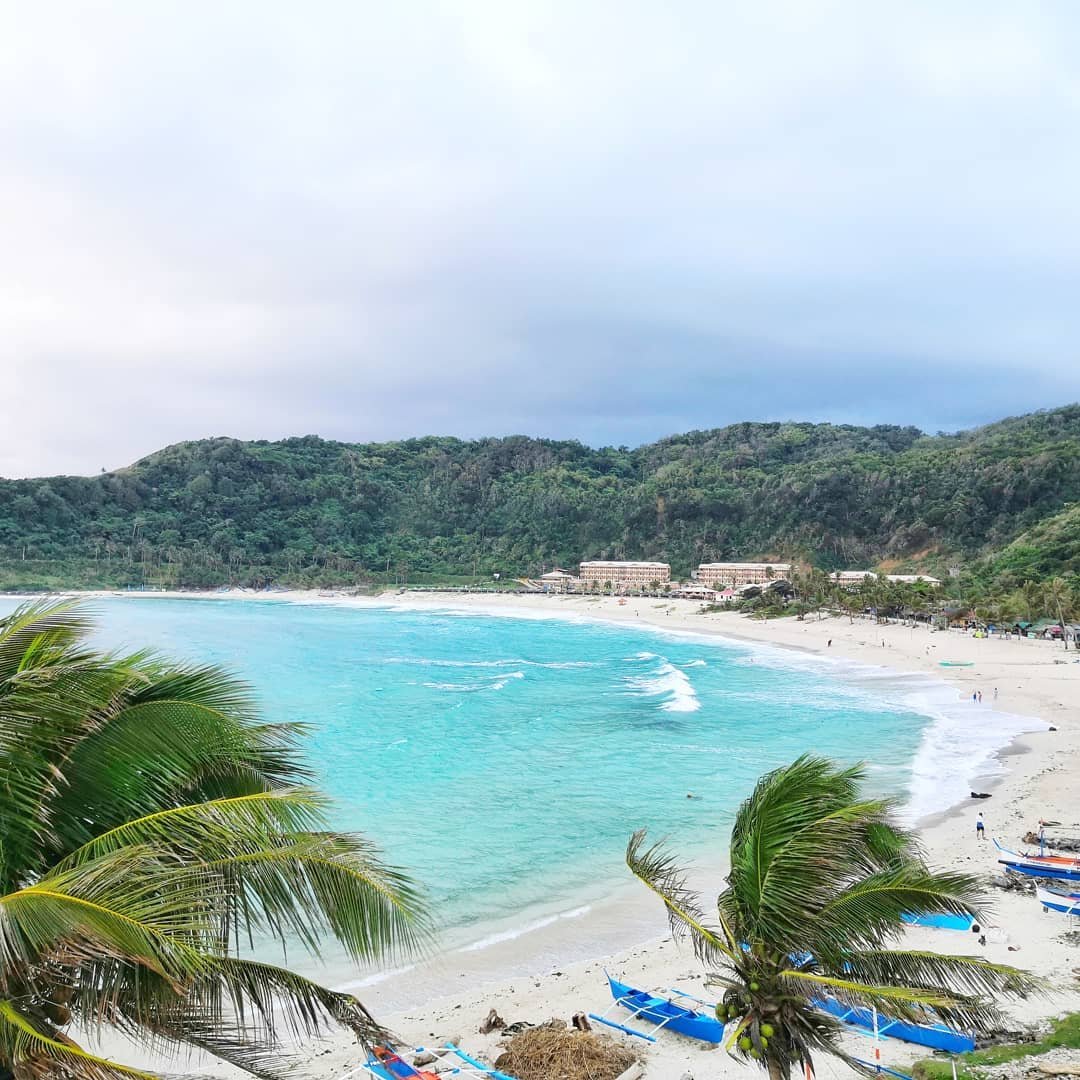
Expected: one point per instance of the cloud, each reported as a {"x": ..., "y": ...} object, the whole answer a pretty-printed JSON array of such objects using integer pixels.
[{"x": 605, "y": 221}]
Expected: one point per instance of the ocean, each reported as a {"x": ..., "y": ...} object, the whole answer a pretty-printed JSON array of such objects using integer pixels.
[{"x": 504, "y": 761}]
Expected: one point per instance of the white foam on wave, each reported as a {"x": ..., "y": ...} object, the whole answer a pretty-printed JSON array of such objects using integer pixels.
[
  {"x": 668, "y": 681},
  {"x": 959, "y": 748},
  {"x": 694, "y": 663},
  {"x": 513, "y": 933},
  {"x": 492, "y": 682},
  {"x": 374, "y": 978},
  {"x": 425, "y": 661}
]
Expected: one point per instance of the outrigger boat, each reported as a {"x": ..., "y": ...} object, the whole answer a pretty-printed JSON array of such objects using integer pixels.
[
  {"x": 935, "y": 1036},
  {"x": 1066, "y": 867},
  {"x": 1068, "y": 903},
  {"x": 386, "y": 1064},
  {"x": 938, "y": 922},
  {"x": 667, "y": 1013}
]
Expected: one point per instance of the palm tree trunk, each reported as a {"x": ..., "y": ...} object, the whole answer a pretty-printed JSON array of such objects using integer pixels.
[{"x": 775, "y": 1072}]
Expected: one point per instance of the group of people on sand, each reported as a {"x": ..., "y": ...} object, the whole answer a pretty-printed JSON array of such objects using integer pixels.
[{"x": 976, "y": 696}]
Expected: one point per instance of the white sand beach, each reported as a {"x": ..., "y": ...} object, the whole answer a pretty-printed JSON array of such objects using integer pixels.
[{"x": 1034, "y": 679}]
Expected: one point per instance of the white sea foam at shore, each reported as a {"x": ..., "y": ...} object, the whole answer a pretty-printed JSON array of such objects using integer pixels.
[{"x": 513, "y": 933}]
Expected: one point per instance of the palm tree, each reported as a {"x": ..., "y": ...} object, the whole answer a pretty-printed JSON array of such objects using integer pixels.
[
  {"x": 1058, "y": 598},
  {"x": 150, "y": 823},
  {"x": 820, "y": 877}
]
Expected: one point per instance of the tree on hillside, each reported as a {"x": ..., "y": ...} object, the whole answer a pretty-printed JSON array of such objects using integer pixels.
[
  {"x": 151, "y": 822},
  {"x": 1059, "y": 601},
  {"x": 820, "y": 877}
]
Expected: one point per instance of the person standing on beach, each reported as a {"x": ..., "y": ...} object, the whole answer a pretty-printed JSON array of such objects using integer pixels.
[
  {"x": 980, "y": 697},
  {"x": 974, "y": 697},
  {"x": 995, "y": 693},
  {"x": 980, "y": 828}
]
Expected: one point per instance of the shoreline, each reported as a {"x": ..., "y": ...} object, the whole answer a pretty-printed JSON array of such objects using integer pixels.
[{"x": 1027, "y": 777}]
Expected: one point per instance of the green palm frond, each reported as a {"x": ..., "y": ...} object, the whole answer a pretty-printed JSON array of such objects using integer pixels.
[
  {"x": 870, "y": 909},
  {"x": 41, "y": 630},
  {"x": 248, "y": 1004},
  {"x": 902, "y": 1002},
  {"x": 123, "y": 904},
  {"x": 967, "y": 974},
  {"x": 108, "y": 781},
  {"x": 217, "y": 828},
  {"x": 658, "y": 869},
  {"x": 31, "y": 1051},
  {"x": 328, "y": 881}
]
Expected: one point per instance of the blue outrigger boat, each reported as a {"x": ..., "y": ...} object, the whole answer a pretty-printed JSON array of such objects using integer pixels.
[
  {"x": 935, "y": 1036},
  {"x": 1064, "y": 867},
  {"x": 666, "y": 1013},
  {"x": 938, "y": 922},
  {"x": 385, "y": 1064},
  {"x": 1068, "y": 903}
]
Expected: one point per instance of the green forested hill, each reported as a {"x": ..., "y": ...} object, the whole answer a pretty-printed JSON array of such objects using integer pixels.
[{"x": 310, "y": 510}]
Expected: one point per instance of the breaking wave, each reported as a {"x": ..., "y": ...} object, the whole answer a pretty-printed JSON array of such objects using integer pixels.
[{"x": 667, "y": 681}]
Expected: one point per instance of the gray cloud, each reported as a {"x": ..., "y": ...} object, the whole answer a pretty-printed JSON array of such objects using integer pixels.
[{"x": 603, "y": 221}]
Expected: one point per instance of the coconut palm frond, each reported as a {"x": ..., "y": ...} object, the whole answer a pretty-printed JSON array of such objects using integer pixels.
[
  {"x": 45, "y": 629},
  {"x": 123, "y": 904},
  {"x": 901, "y": 1002},
  {"x": 328, "y": 882},
  {"x": 659, "y": 870},
  {"x": 29, "y": 1050},
  {"x": 871, "y": 909},
  {"x": 277, "y": 995},
  {"x": 204, "y": 831},
  {"x": 967, "y": 974},
  {"x": 186, "y": 742},
  {"x": 248, "y": 1004}
]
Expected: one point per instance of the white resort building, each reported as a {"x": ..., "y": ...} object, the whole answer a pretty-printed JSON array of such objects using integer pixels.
[
  {"x": 734, "y": 574},
  {"x": 624, "y": 575},
  {"x": 854, "y": 578},
  {"x": 558, "y": 580}
]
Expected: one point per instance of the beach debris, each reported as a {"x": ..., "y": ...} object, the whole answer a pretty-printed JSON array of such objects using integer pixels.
[
  {"x": 1059, "y": 843},
  {"x": 551, "y": 1051},
  {"x": 493, "y": 1022},
  {"x": 981, "y": 795},
  {"x": 516, "y": 1027},
  {"x": 580, "y": 1022},
  {"x": 1014, "y": 883}
]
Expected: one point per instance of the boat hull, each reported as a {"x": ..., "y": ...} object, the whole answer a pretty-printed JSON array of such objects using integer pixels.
[
  {"x": 1062, "y": 867},
  {"x": 1032, "y": 868},
  {"x": 674, "y": 1017},
  {"x": 939, "y": 922},
  {"x": 935, "y": 1036},
  {"x": 1054, "y": 900}
]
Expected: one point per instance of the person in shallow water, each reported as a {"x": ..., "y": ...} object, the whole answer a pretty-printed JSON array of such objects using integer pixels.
[{"x": 980, "y": 828}]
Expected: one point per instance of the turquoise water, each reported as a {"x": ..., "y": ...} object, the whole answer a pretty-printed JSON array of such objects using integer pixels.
[{"x": 505, "y": 761}]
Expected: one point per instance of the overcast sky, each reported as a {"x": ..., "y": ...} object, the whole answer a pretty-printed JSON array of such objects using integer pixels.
[{"x": 601, "y": 221}]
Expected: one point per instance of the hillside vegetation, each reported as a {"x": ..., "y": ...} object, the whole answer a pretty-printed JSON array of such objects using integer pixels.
[{"x": 308, "y": 510}]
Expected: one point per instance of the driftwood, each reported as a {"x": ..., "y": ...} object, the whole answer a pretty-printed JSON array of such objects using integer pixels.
[
  {"x": 493, "y": 1022},
  {"x": 1046, "y": 1069},
  {"x": 1060, "y": 843}
]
